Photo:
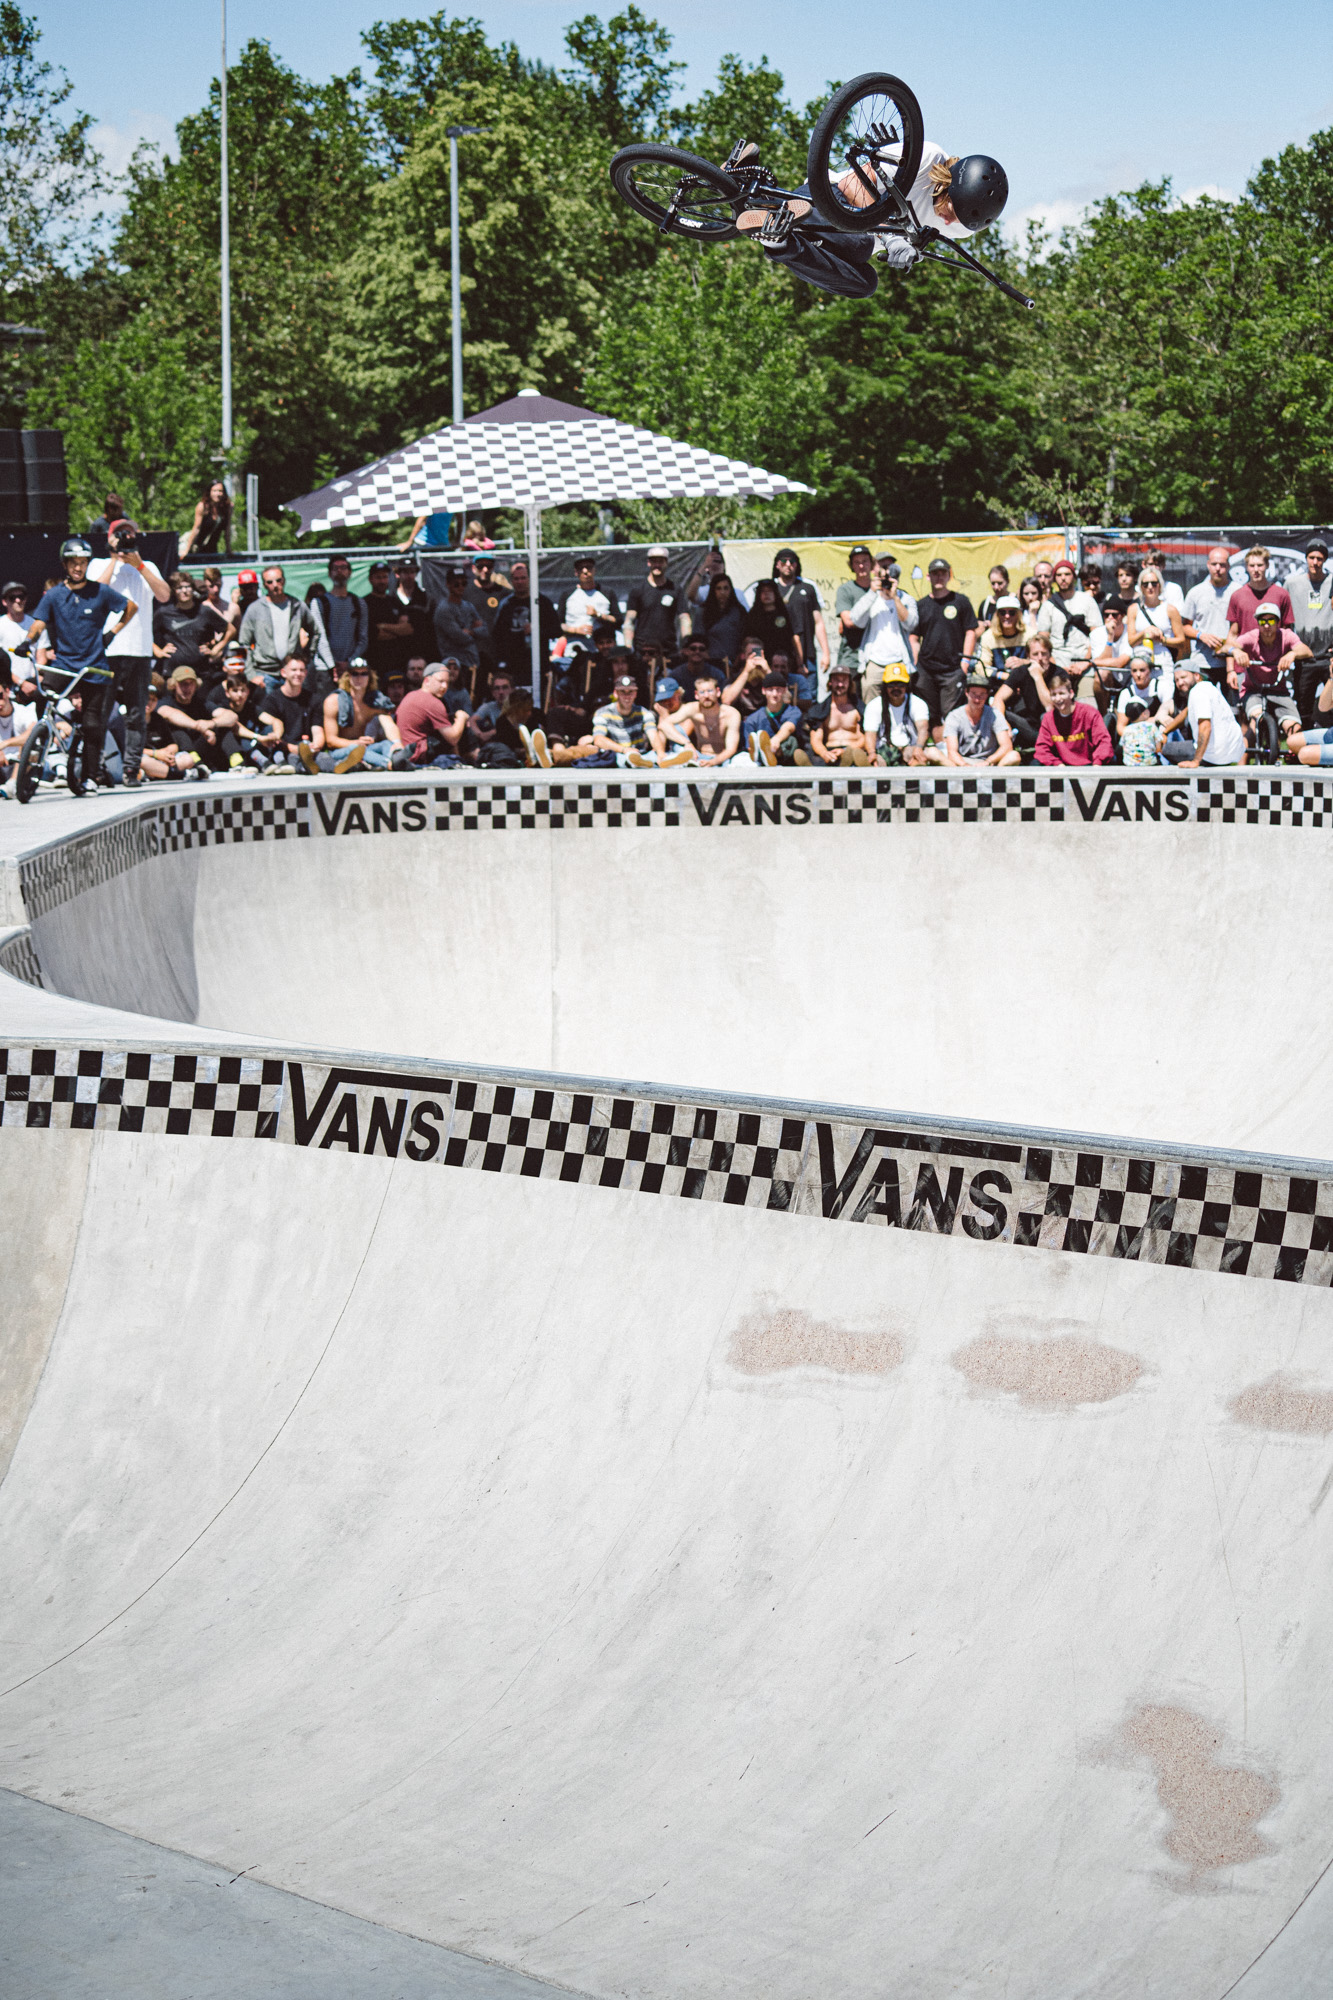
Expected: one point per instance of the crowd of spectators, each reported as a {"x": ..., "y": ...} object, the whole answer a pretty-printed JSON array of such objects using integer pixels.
[{"x": 1074, "y": 667}]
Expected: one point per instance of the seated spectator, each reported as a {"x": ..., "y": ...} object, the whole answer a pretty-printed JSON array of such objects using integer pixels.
[
  {"x": 162, "y": 757},
  {"x": 1217, "y": 737},
  {"x": 1072, "y": 732},
  {"x": 1156, "y": 624},
  {"x": 836, "y": 732},
  {"x": 694, "y": 661},
  {"x": 999, "y": 587},
  {"x": 768, "y": 621},
  {"x": 723, "y": 621},
  {"x": 245, "y": 738},
  {"x": 69, "y": 725},
  {"x": 430, "y": 734},
  {"x": 711, "y": 725},
  {"x": 359, "y": 726},
  {"x": 1136, "y": 724},
  {"x": 670, "y": 708},
  {"x": 17, "y": 721},
  {"x": 512, "y": 740},
  {"x": 769, "y": 736},
  {"x": 1263, "y": 658},
  {"x": 1003, "y": 638},
  {"x": 1111, "y": 651},
  {"x": 896, "y": 724},
  {"x": 976, "y": 733},
  {"x": 627, "y": 734},
  {"x": 1020, "y": 692},
  {"x": 292, "y": 712},
  {"x": 803, "y": 686},
  {"x": 1315, "y": 744},
  {"x": 1147, "y": 690},
  {"x": 190, "y": 720},
  {"x": 459, "y": 626},
  {"x": 486, "y": 718}
]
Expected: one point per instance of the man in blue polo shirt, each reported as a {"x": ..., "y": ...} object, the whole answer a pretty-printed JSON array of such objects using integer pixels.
[{"x": 75, "y": 614}]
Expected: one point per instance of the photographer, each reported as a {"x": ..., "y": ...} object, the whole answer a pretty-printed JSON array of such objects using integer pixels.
[{"x": 130, "y": 650}]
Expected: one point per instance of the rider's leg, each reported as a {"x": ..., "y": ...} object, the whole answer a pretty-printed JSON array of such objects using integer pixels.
[
  {"x": 96, "y": 708},
  {"x": 831, "y": 261}
]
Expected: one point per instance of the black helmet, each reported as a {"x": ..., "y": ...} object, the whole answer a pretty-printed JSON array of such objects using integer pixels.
[
  {"x": 978, "y": 189},
  {"x": 75, "y": 546}
]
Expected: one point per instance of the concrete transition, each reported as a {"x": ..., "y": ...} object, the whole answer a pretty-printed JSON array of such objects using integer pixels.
[{"x": 495, "y": 1575}]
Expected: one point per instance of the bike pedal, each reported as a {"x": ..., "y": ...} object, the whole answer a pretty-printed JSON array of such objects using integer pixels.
[{"x": 745, "y": 153}]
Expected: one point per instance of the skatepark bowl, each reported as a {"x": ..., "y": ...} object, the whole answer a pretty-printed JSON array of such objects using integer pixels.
[{"x": 514, "y": 1480}]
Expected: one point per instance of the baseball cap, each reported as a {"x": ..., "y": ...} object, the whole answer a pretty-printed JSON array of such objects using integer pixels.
[
  {"x": 12, "y": 588},
  {"x": 182, "y": 674},
  {"x": 1316, "y": 542},
  {"x": 937, "y": 562},
  {"x": 666, "y": 687},
  {"x": 896, "y": 670},
  {"x": 626, "y": 681},
  {"x": 1267, "y": 611},
  {"x": 859, "y": 550},
  {"x": 774, "y": 678},
  {"x": 1007, "y": 604},
  {"x": 660, "y": 549},
  {"x": 407, "y": 562},
  {"x": 247, "y": 576}
]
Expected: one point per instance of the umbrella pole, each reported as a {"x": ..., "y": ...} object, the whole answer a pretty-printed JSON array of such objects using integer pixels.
[{"x": 534, "y": 544}]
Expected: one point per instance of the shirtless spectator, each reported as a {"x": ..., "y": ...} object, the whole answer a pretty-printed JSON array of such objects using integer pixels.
[
  {"x": 287, "y": 711},
  {"x": 1072, "y": 732},
  {"x": 836, "y": 733},
  {"x": 430, "y": 735},
  {"x": 896, "y": 724},
  {"x": 976, "y": 733},
  {"x": 712, "y": 726},
  {"x": 359, "y": 726}
]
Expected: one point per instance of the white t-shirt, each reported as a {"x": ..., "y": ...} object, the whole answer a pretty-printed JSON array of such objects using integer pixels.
[
  {"x": 1207, "y": 609},
  {"x": 1102, "y": 642},
  {"x": 1207, "y": 703},
  {"x": 136, "y": 641},
  {"x": 904, "y": 726},
  {"x": 1161, "y": 685},
  {"x": 585, "y": 607},
  {"x": 921, "y": 194},
  {"x": 884, "y": 627},
  {"x": 13, "y": 631},
  {"x": 23, "y": 718}
]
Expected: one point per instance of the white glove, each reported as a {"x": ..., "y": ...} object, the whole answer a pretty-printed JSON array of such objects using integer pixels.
[{"x": 897, "y": 251}]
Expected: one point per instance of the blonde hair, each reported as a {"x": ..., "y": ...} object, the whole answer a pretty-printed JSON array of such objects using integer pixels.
[
  {"x": 940, "y": 173},
  {"x": 345, "y": 681}
]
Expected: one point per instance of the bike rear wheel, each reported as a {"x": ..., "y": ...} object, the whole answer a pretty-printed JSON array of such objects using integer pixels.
[
  {"x": 1267, "y": 733},
  {"x": 31, "y": 758},
  {"x": 679, "y": 192},
  {"x": 873, "y": 122}
]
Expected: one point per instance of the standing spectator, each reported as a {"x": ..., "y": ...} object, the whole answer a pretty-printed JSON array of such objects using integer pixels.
[
  {"x": 767, "y": 620},
  {"x": 712, "y": 563},
  {"x": 1256, "y": 590},
  {"x": 836, "y": 732},
  {"x": 723, "y": 621},
  {"x": 430, "y": 734},
  {"x": 1206, "y": 622},
  {"x": 245, "y": 592},
  {"x": 1080, "y": 608},
  {"x": 475, "y": 536},
  {"x": 113, "y": 509},
  {"x": 850, "y": 634},
  {"x": 1155, "y": 624},
  {"x": 486, "y": 593},
  {"x": 1003, "y": 638},
  {"x": 693, "y": 661},
  {"x": 289, "y": 711},
  {"x": 998, "y": 581},
  {"x": 655, "y": 612},
  {"x": 436, "y": 531},
  {"x": 513, "y": 627},
  {"x": 1071, "y": 731},
  {"x": 1127, "y": 579},
  {"x": 389, "y": 623},
  {"x": 410, "y": 597},
  {"x": 1171, "y": 592},
  {"x": 187, "y": 631},
  {"x": 585, "y": 602},
  {"x": 1312, "y": 608},
  {"x": 1043, "y": 575},
  {"x": 339, "y": 619},
  {"x": 211, "y": 524},
  {"x": 1207, "y": 714},
  {"x": 804, "y": 609},
  {"x": 131, "y": 651},
  {"x": 15, "y": 625},
  {"x": 459, "y": 626},
  {"x": 274, "y": 626},
  {"x": 770, "y": 733},
  {"x": 946, "y": 637},
  {"x": 896, "y": 725},
  {"x": 1030, "y": 597},
  {"x": 885, "y": 615},
  {"x": 1091, "y": 578},
  {"x": 975, "y": 733}
]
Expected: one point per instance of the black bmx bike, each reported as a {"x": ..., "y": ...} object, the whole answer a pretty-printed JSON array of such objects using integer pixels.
[
  {"x": 1266, "y": 732},
  {"x": 864, "y": 155},
  {"x": 56, "y": 683}
]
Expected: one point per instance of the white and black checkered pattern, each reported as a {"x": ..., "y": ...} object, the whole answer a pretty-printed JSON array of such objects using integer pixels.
[
  {"x": 570, "y": 801},
  {"x": 1237, "y": 1216},
  {"x": 19, "y": 959},
  {"x": 522, "y": 464}
]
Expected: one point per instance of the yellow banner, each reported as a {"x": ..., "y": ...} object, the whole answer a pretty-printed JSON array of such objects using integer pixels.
[{"x": 972, "y": 557}]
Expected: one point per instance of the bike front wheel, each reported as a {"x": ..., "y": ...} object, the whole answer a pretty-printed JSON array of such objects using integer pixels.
[
  {"x": 31, "y": 758},
  {"x": 677, "y": 191},
  {"x": 869, "y": 134}
]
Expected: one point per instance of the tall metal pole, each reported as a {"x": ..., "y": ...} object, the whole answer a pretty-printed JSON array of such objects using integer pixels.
[
  {"x": 226, "y": 273},
  {"x": 455, "y": 280}
]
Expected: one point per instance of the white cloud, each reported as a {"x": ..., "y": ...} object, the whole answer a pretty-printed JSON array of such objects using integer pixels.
[
  {"x": 1210, "y": 191},
  {"x": 116, "y": 143}
]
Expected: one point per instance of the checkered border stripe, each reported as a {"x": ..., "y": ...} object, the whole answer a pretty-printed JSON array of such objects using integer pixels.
[
  {"x": 1230, "y": 1217},
  {"x": 19, "y": 960},
  {"x": 570, "y": 803}
]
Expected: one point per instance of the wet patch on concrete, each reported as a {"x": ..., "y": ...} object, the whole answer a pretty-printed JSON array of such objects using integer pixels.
[
  {"x": 772, "y": 1339},
  {"x": 1215, "y": 1807},
  {"x": 1280, "y": 1404},
  {"x": 1055, "y": 1374}
]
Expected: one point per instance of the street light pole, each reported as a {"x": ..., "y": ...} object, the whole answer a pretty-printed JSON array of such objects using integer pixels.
[
  {"x": 454, "y": 133},
  {"x": 226, "y": 274}
]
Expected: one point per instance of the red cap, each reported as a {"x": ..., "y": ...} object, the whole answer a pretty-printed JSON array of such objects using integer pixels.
[{"x": 247, "y": 576}]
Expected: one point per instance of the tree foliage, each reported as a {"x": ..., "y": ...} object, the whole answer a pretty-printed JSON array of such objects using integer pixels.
[{"x": 1180, "y": 363}]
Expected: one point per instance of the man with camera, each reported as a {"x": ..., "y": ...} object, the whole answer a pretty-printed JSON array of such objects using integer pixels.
[{"x": 130, "y": 649}]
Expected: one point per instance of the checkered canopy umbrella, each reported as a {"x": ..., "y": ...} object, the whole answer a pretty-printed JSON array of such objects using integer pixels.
[{"x": 531, "y": 452}]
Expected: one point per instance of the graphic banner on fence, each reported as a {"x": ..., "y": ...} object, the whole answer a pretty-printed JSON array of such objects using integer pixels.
[{"x": 972, "y": 557}]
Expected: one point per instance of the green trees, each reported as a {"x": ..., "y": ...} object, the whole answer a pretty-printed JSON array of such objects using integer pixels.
[{"x": 1180, "y": 364}]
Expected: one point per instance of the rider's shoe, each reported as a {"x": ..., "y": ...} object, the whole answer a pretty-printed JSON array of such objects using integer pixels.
[{"x": 773, "y": 226}]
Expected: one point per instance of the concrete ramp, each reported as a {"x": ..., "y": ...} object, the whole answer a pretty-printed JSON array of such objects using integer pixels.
[{"x": 661, "y": 1542}]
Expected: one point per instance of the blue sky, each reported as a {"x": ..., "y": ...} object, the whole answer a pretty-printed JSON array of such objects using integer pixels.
[{"x": 1075, "y": 106}]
